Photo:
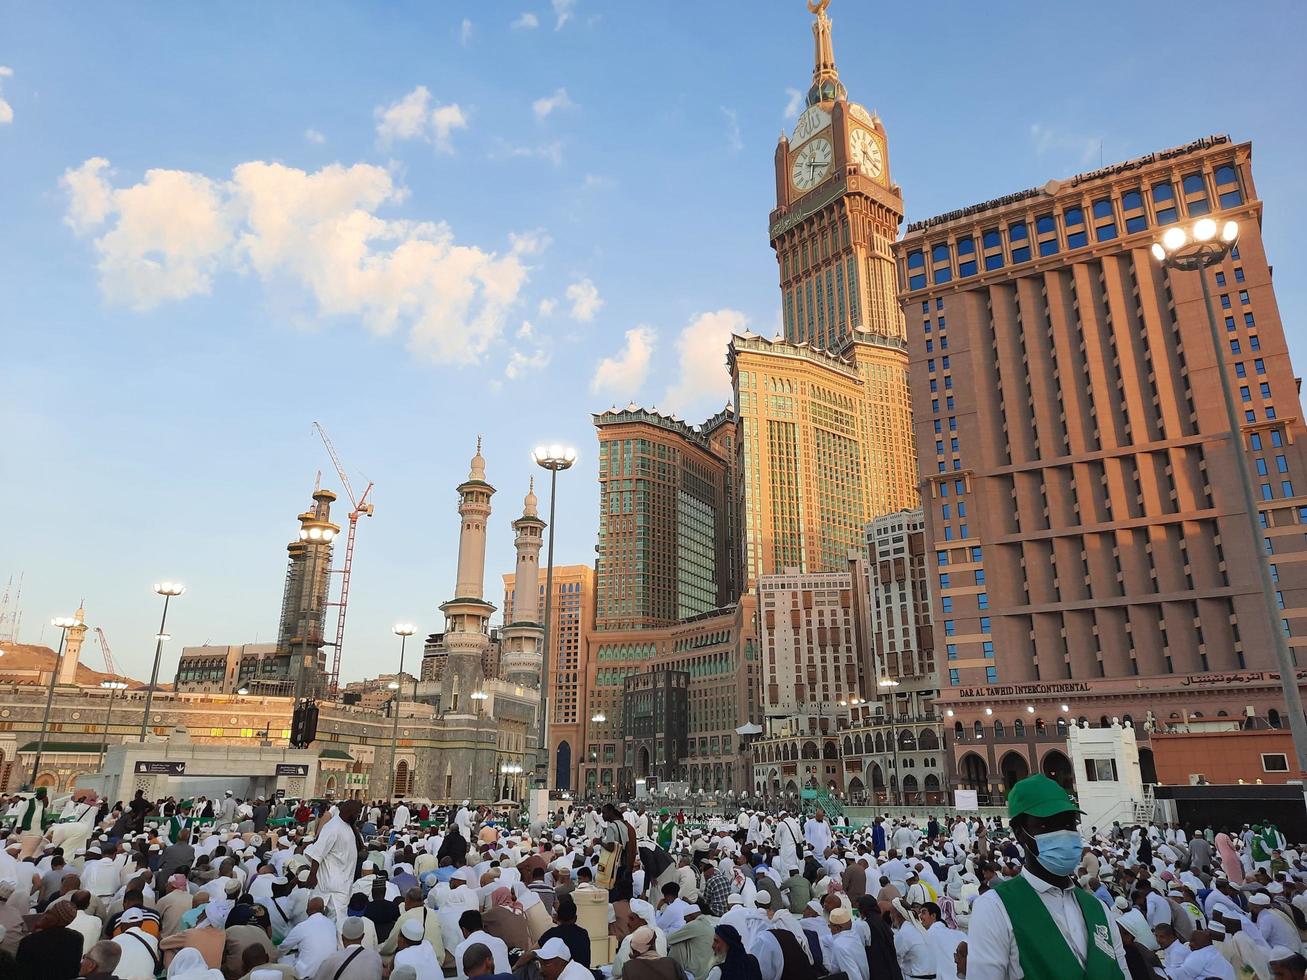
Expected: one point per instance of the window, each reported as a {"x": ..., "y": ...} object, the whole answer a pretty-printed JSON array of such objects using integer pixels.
[
  {"x": 984, "y": 624},
  {"x": 966, "y": 246},
  {"x": 1225, "y": 301},
  {"x": 1265, "y": 389},
  {"x": 951, "y": 650},
  {"x": 1254, "y": 343},
  {"x": 1220, "y": 278},
  {"x": 975, "y": 552},
  {"x": 941, "y": 558},
  {"x": 1164, "y": 203},
  {"x": 1100, "y": 770},
  {"x": 1243, "y": 297},
  {"x": 1017, "y": 232},
  {"x": 1261, "y": 466},
  {"x": 1229, "y": 326},
  {"x": 1245, "y": 394},
  {"x": 1235, "y": 347},
  {"x": 1239, "y": 370},
  {"x": 990, "y": 238},
  {"x": 916, "y": 260},
  {"x": 1266, "y": 492},
  {"x": 1074, "y": 219},
  {"x": 1259, "y": 366},
  {"x": 946, "y": 603},
  {"x": 1048, "y": 246},
  {"x": 982, "y": 600},
  {"x": 991, "y": 677},
  {"x": 993, "y": 261},
  {"x": 954, "y": 678},
  {"x": 988, "y": 647},
  {"x": 1286, "y": 488},
  {"x": 1275, "y": 762},
  {"x": 944, "y": 580},
  {"x": 1227, "y": 186}
]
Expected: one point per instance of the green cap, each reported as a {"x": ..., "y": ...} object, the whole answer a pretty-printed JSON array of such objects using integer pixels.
[{"x": 1039, "y": 796}]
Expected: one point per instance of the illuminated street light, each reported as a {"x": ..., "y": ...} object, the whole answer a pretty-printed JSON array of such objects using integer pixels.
[
  {"x": 403, "y": 631},
  {"x": 63, "y": 624},
  {"x": 169, "y": 591},
  {"x": 1198, "y": 250},
  {"x": 555, "y": 458},
  {"x": 113, "y": 687}
]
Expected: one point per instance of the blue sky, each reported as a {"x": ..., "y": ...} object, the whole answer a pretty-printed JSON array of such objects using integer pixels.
[{"x": 420, "y": 222}]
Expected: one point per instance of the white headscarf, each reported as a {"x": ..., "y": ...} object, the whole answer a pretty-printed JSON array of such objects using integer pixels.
[{"x": 189, "y": 964}]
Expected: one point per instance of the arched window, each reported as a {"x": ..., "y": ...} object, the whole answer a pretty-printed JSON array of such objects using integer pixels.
[
  {"x": 998, "y": 728},
  {"x": 402, "y": 775},
  {"x": 958, "y": 733},
  {"x": 1061, "y": 727},
  {"x": 1039, "y": 726},
  {"x": 1273, "y": 718},
  {"x": 1018, "y": 728},
  {"x": 980, "y": 730}
]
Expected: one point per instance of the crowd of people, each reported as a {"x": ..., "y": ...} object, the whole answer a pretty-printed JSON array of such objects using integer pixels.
[{"x": 233, "y": 889}]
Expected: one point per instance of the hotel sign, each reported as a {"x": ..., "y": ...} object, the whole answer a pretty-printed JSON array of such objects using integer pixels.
[
  {"x": 1243, "y": 678},
  {"x": 291, "y": 769}
]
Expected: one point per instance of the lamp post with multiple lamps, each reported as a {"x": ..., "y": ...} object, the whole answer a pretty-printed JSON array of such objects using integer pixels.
[
  {"x": 403, "y": 631},
  {"x": 480, "y": 697},
  {"x": 169, "y": 591},
  {"x": 113, "y": 687},
  {"x": 555, "y": 459},
  {"x": 1197, "y": 248},
  {"x": 63, "y": 624}
]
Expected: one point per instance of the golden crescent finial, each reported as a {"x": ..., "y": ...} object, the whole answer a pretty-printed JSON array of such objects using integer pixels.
[{"x": 817, "y": 6}]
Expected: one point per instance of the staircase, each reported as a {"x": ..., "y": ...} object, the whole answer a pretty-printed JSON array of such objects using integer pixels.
[
  {"x": 814, "y": 798},
  {"x": 1145, "y": 809}
]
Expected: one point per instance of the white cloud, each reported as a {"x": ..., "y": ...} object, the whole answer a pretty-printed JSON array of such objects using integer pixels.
[
  {"x": 625, "y": 372},
  {"x": 793, "y": 103},
  {"x": 526, "y": 22},
  {"x": 465, "y": 32},
  {"x": 1081, "y": 148},
  {"x": 543, "y": 107},
  {"x": 520, "y": 363},
  {"x": 584, "y": 297},
  {"x": 526, "y": 331},
  {"x": 551, "y": 151},
  {"x": 313, "y": 136},
  {"x": 547, "y": 307},
  {"x": 598, "y": 182},
  {"x": 702, "y": 379},
  {"x": 733, "y": 139},
  {"x": 6, "y": 110},
  {"x": 415, "y": 117},
  {"x": 316, "y": 234},
  {"x": 562, "y": 12}
]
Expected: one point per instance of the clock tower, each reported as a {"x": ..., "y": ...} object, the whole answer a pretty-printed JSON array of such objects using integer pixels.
[{"x": 837, "y": 215}]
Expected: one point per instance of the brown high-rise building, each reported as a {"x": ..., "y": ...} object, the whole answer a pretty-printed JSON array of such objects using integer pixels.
[
  {"x": 573, "y": 619},
  {"x": 664, "y": 519},
  {"x": 1087, "y": 534},
  {"x": 824, "y": 431}
]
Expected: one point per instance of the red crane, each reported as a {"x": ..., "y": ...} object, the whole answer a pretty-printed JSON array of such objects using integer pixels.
[{"x": 361, "y": 506}]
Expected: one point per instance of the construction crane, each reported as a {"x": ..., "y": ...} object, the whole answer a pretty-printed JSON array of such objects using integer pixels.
[
  {"x": 110, "y": 667},
  {"x": 361, "y": 507}
]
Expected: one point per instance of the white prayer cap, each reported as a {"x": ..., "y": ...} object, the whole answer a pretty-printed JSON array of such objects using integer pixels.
[
  {"x": 1260, "y": 899},
  {"x": 413, "y": 929},
  {"x": 840, "y": 916},
  {"x": 553, "y": 949}
]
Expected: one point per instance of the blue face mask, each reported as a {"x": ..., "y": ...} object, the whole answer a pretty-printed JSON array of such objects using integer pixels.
[{"x": 1059, "y": 850}]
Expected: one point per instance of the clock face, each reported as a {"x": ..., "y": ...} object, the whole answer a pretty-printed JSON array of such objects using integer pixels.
[
  {"x": 865, "y": 149},
  {"x": 811, "y": 164}
]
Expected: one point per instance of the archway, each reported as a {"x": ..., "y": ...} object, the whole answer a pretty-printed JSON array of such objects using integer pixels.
[
  {"x": 642, "y": 762},
  {"x": 47, "y": 779},
  {"x": 927, "y": 740},
  {"x": 1014, "y": 768},
  {"x": 880, "y": 742},
  {"x": 563, "y": 766},
  {"x": 857, "y": 790},
  {"x": 331, "y": 785},
  {"x": 402, "y": 785},
  {"x": 829, "y": 750},
  {"x": 848, "y": 745},
  {"x": 910, "y": 789},
  {"x": 1057, "y": 767},
  {"x": 876, "y": 777},
  {"x": 973, "y": 772},
  {"x": 809, "y": 750}
]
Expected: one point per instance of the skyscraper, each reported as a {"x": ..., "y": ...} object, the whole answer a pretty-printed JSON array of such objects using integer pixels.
[
  {"x": 300, "y": 635},
  {"x": 573, "y": 619},
  {"x": 1088, "y": 538},
  {"x": 664, "y": 520},
  {"x": 824, "y": 433}
]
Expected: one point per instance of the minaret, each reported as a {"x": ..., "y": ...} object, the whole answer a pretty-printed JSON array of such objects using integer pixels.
[
  {"x": 72, "y": 649},
  {"x": 300, "y": 634},
  {"x": 467, "y": 615},
  {"x": 521, "y": 657}
]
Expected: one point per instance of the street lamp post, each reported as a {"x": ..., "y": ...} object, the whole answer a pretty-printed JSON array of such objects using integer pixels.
[
  {"x": 403, "y": 631},
  {"x": 480, "y": 697},
  {"x": 1196, "y": 249},
  {"x": 64, "y": 624},
  {"x": 553, "y": 458},
  {"x": 168, "y": 590},
  {"x": 113, "y": 687},
  {"x": 885, "y": 681}
]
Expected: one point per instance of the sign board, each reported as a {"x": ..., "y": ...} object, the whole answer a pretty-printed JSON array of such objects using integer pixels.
[
  {"x": 291, "y": 769},
  {"x": 966, "y": 799},
  {"x": 161, "y": 768},
  {"x": 281, "y": 794}
]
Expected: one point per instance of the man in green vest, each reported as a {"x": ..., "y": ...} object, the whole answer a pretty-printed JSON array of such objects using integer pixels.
[{"x": 1039, "y": 924}]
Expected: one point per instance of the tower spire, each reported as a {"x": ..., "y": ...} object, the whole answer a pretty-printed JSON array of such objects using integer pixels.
[{"x": 826, "y": 85}]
